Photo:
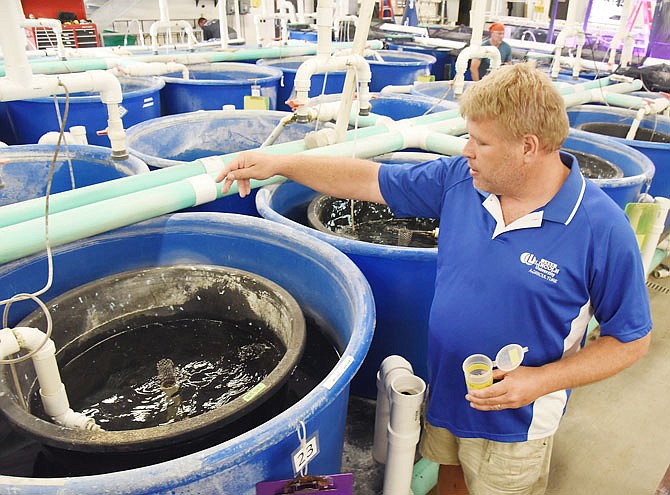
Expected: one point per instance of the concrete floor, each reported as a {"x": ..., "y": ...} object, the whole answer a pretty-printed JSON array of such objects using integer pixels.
[{"x": 614, "y": 438}]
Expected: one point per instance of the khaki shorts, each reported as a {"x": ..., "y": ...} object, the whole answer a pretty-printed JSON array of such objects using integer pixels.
[{"x": 489, "y": 467}]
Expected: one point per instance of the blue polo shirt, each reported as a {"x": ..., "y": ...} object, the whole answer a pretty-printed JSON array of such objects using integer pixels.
[{"x": 536, "y": 282}]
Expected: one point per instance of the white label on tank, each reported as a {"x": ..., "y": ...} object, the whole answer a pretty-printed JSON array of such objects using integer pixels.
[
  {"x": 122, "y": 111},
  {"x": 337, "y": 372},
  {"x": 305, "y": 453},
  {"x": 148, "y": 102}
]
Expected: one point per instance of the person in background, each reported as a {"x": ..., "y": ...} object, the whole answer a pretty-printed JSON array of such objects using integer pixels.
[
  {"x": 479, "y": 67},
  {"x": 528, "y": 251},
  {"x": 212, "y": 30}
]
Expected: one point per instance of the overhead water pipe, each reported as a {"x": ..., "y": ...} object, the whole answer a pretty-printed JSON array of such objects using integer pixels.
[
  {"x": 358, "y": 69},
  {"x": 620, "y": 35},
  {"x": 20, "y": 83},
  {"x": 34, "y": 208},
  {"x": 103, "y": 82},
  {"x": 52, "y": 391},
  {"x": 243, "y": 54},
  {"x": 139, "y": 32},
  {"x": 397, "y": 422},
  {"x": 55, "y": 26},
  {"x": 27, "y": 237},
  {"x": 138, "y": 69},
  {"x": 153, "y": 32},
  {"x": 475, "y": 50},
  {"x": 443, "y": 122},
  {"x": 571, "y": 28}
]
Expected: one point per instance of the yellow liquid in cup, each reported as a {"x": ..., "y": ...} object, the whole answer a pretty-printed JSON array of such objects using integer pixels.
[{"x": 478, "y": 371}]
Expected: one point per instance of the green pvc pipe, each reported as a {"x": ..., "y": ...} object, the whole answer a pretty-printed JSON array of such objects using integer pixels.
[
  {"x": 424, "y": 476},
  {"x": 27, "y": 210},
  {"x": 83, "y": 64},
  {"x": 28, "y": 237},
  {"x": 34, "y": 208},
  {"x": 445, "y": 144}
]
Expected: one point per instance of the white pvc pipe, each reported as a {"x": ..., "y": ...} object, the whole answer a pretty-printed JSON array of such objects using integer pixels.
[
  {"x": 404, "y": 429},
  {"x": 133, "y": 68},
  {"x": 397, "y": 89},
  {"x": 13, "y": 43},
  {"x": 55, "y": 26},
  {"x": 223, "y": 23},
  {"x": 324, "y": 25},
  {"x": 362, "y": 75},
  {"x": 490, "y": 52},
  {"x": 153, "y": 32},
  {"x": 322, "y": 64},
  {"x": 163, "y": 10},
  {"x": 477, "y": 14},
  {"x": 651, "y": 239},
  {"x": 621, "y": 32},
  {"x": 391, "y": 367},
  {"x": 52, "y": 391},
  {"x": 77, "y": 135}
]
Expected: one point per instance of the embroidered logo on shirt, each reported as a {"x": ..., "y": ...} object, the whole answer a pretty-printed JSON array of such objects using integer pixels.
[{"x": 548, "y": 270}]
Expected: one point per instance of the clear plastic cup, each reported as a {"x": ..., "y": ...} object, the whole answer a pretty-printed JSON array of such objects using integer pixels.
[{"x": 478, "y": 370}]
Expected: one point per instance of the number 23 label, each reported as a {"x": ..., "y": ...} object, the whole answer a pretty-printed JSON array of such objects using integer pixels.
[{"x": 305, "y": 453}]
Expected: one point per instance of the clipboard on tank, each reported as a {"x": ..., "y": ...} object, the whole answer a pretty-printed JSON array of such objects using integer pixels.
[{"x": 334, "y": 484}]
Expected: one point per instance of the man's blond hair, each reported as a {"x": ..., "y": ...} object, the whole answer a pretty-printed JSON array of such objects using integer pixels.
[{"x": 523, "y": 101}]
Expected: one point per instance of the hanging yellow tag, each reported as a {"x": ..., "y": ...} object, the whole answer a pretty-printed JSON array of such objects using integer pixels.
[{"x": 256, "y": 103}]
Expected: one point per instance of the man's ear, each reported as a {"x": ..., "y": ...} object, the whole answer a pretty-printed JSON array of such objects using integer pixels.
[{"x": 531, "y": 146}]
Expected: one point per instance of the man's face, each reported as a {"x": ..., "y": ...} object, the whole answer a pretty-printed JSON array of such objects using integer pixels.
[
  {"x": 497, "y": 37},
  {"x": 496, "y": 162}
]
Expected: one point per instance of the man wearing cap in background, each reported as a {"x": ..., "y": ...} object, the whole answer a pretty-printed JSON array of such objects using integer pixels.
[{"x": 479, "y": 67}]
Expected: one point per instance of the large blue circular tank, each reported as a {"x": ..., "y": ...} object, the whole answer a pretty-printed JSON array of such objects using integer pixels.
[
  {"x": 35, "y": 117},
  {"x": 398, "y": 105},
  {"x": 211, "y": 86},
  {"x": 439, "y": 90},
  {"x": 637, "y": 169},
  {"x": 175, "y": 139},
  {"x": 388, "y": 67},
  {"x": 324, "y": 282},
  {"x": 402, "y": 279},
  {"x": 444, "y": 67},
  {"x": 25, "y": 169},
  {"x": 657, "y": 152}
]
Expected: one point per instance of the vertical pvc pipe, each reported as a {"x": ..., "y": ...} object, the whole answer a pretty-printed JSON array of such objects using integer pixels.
[{"x": 404, "y": 430}]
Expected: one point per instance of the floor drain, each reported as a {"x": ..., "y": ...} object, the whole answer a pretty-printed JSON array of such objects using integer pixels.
[{"x": 658, "y": 287}]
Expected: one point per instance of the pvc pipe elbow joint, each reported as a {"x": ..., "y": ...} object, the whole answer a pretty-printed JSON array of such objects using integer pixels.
[{"x": 8, "y": 343}]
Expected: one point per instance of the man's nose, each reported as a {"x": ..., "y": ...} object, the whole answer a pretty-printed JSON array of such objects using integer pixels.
[{"x": 468, "y": 149}]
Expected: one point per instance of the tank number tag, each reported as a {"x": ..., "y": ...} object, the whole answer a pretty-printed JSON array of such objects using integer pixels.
[
  {"x": 337, "y": 372},
  {"x": 307, "y": 451}
]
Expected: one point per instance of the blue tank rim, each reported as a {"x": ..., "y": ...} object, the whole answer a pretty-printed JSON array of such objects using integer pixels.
[
  {"x": 420, "y": 47},
  {"x": 100, "y": 154},
  {"x": 645, "y": 164},
  {"x": 151, "y": 84},
  {"x": 414, "y": 60},
  {"x": 627, "y": 114},
  {"x": 143, "y": 128},
  {"x": 353, "y": 246},
  {"x": 204, "y": 463},
  {"x": 269, "y": 74},
  {"x": 443, "y": 105}
]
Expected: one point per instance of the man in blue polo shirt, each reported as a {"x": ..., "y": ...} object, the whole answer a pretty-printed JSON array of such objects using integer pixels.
[{"x": 528, "y": 252}]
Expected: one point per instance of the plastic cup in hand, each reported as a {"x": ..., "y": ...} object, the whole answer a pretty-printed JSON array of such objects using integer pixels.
[{"x": 478, "y": 370}]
